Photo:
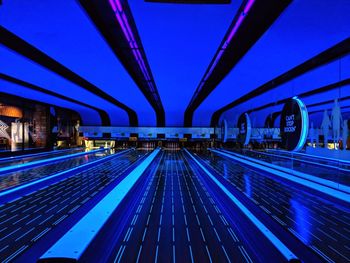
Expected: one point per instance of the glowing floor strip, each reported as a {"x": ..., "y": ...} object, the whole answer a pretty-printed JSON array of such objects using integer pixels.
[
  {"x": 312, "y": 156},
  {"x": 13, "y": 158},
  {"x": 299, "y": 160},
  {"x": 23, "y": 186},
  {"x": 46, "y": 161},
  {"x": 283, "y": 249},
  {"x": 306, "y": 181},
  {"x": 73, "y": 244},
  {"x": 310, "y": 177}
]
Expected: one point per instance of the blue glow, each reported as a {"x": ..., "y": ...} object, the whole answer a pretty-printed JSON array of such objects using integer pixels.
[
  {"x": 224, "y": 131},
  {"x": 226, "y": 174},
  {"x": 24, "y": 186},
  {"x": 302, "y": 213},
  {"x": 89, "y": 116},
  {"x": 46, "y": 161},
  {"x": 307, "y": 180},
  {"x": 282, "y": 248},
  {"x": 12, "y": 158},
  {"x": 63, "y": 30},
  {"x": 318, "y": 157},
  {"x": 304, "y": 124},
  {"x": 249, "y": 129},
  {"x": 296, "y": 36},
  {"x": 180, "y": 41},
  {"x": 248, "y": 185},
  {"x": 73, "y": 244}
]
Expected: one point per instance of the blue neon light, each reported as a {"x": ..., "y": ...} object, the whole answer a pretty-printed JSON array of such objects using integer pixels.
[
  {"x": 73, "y": 244},
  {"x": 310, "y": 181},
  {"x": 224, "y": 132},
  {"x": 302, "y": 214},
  {"x": 304, "y": 124},
  {"x": 249, "y": 129},
  {"x": 46, "y": 178},
  {"x": 46, "y": 161},
  {"x": 13, "y": 158},
  {"x": 282, "y": 248}
]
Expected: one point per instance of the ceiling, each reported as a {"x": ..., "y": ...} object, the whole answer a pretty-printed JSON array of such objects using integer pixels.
[{"x": 179, "y": 43}]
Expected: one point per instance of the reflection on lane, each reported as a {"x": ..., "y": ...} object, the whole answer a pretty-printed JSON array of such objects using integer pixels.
[
  {"x": 323, "y": 226},
  {"x": 304, "y": 228},
  {"x": 20, "y": 177},
  {"x": 177, "y": 220},
  {"x": 4, "y": 162},
  {"x": 29, "y": 219},
  {"x": 332, "y": 172}
]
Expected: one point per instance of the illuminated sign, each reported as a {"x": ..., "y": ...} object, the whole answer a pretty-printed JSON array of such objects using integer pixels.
[
  {"x": 245, "y": 129},
  {"x": 294, "y": 124},
  {"x": 224, "y": 130},
  {"x": 3, "y": 132}
]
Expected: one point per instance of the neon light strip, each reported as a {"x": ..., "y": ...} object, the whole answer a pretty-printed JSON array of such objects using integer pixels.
[
  {"x": 249, "y": 129},
  {"x": 228, "y": 40},
  {"x": 309, "y": 181},
  {"x": 304, "y": 124},
  {"x": 235, "y": 28},
  {"x": 96, "y": 162},
  {"x": 225, "y": 130},
  {"x": 45, "y": 161},
  {"x": 299, "y": 160},
  {"x": 309, "y": 177},
  {"x": 124, "y": 24},
  {"x": 73, "y": 244},
  {"x": 313, "y": 156},
  {"x": 283, "y": 249},
  {"x": 248, "y": 6},
  {"x": 13, "y": 158}
]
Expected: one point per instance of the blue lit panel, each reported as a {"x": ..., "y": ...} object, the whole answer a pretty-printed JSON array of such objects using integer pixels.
[
  {"x": 180, "y": 41},
  {"x": 89, "y": 116},
  {"x": 320, "y": 77},
  {"x": 296, "y": 36},
  {"x": 63, "y": 30},
  {"x": 19, "y": 67}
]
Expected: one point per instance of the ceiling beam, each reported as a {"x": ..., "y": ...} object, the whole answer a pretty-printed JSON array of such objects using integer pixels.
[
  {"x": 105, "y": 120},
  {"x": 250, "y": 23},
  {"x": 326, "y": 88},
  {"x": 17, "y": 44},
  {"x": 122, "y": 37},
  {"x": 337, "y": 51}
]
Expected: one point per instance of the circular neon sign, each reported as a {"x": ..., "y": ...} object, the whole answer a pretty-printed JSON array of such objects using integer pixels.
[
  {"x": 294, "y": 124},
  {"x": 245, "y": 128}
]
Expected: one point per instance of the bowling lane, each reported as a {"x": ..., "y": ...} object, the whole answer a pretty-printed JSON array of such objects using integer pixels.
[
  {"x": 13, "y": 179},
  {"x": 320, "y": 224},
  {"x": 29, "y": 219},
  {"x": 332, "y": 162},
  {"x": 177, "y": 220},
  {"x": 9, "y": 161},
  {"x": 325, "y": 169}
]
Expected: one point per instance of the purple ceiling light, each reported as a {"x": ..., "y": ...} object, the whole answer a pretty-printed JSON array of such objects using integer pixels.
[
  {"x": 124, "y": 24},
  {"x": 227, "y": 42}
]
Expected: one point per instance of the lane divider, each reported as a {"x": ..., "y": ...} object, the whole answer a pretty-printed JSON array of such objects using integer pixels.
[
  {"x": 72, "y": 245},
  {"x": 44, "y": 181},
  {"x": 14, "y": 168},
  {"x": 313, "y": 156},
  {"x": 313, "y": 182},
  {"x": 310, "y": 177},
  {"x": 282, "y": 248},
  {"x": 295, "y": 159},
  {"x": 54, "y": 152}
]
